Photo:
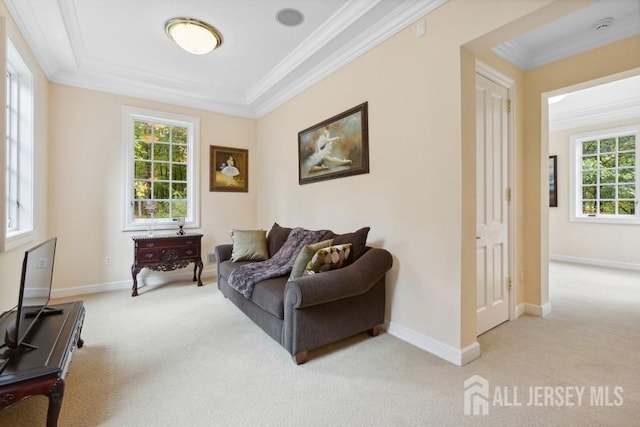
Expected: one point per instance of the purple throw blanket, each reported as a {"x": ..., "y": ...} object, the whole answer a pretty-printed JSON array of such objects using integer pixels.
[{"x": 244, "y": 278}]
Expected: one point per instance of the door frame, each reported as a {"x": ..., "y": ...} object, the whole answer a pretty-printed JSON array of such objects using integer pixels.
[{"x": 510, "y": 85}]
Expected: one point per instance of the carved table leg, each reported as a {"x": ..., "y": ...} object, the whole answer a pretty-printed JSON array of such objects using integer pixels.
[
  {"x": 198, "y": 268},
  {"x": 55, "y": 402},
  {"x": 134, "y": 272}
]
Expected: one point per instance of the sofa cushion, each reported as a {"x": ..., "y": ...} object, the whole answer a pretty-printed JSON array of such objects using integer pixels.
[
  {"x": 304, "y": 256},
  {"x": 358, "y": 240},
  {"x": 269, "y": 295},
  {"x": 249, "y": 245},
  {"x": 330, "y": 258},
  {"x": 276, "y": 238}
]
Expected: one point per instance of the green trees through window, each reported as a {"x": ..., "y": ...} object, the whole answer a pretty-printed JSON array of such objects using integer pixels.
[
  {"x": 608, "y": 171},
  {"x": 161, "y": 152},
  {"x": 160, "y": 170}
]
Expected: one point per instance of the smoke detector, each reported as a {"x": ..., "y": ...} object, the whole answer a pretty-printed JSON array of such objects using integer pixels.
[{"x": 603, "y": 24}]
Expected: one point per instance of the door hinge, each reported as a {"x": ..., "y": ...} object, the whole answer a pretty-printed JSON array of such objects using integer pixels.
[
  {"x": 508, "y": 194},
  {"x": 508, "y": 105},
  {"x": 509, "y": 283}
]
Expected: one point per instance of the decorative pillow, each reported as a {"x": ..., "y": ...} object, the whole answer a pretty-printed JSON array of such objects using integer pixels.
[
  {"x": 276, "y": 238},
  {"x": 326, "y": 259},
  {"x": 249, "y": 245},
  {"x": 305, "y": 255},
  {"x": 358, "y": 239}
]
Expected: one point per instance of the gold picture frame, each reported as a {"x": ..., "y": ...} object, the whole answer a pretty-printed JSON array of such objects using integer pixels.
[{"x": 228, "y": 169}]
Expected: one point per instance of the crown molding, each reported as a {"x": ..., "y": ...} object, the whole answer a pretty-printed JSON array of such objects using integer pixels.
[
  {"x": 376, "y": 34},
  {"x": 153, "y": 91},
  {"x": 336, "y": 24},
  {"x": 256, "y": 102},
  {"x": 604, "y": 113},
  {"x": 516, "y": 52},
  {"x": 30, "y": 29}
]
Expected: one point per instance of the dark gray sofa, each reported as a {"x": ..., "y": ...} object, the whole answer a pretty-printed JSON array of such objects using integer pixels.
[{"x": 316, "y": 310}]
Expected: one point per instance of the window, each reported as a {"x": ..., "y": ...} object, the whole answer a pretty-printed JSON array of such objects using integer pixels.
[
  {"x": 162, "y": 184},
  {"x": 19, "y": 154},
  {"x": 606, "y": 176}
]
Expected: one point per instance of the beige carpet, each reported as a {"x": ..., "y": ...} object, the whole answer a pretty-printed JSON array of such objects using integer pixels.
[{"x": 179, "y": 355}]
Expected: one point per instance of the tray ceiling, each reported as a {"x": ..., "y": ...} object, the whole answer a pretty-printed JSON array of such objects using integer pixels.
[{"x": 120, "y": 46}]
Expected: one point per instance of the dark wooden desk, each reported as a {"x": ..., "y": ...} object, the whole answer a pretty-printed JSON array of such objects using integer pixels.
[
  {"x": 165, "y": 253},
  {"x": 42, "y": 370}
]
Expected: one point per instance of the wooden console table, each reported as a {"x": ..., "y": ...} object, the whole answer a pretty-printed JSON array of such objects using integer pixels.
[
  {"x": 42, "y": 370},
  {"x": 166, "y": 253}
]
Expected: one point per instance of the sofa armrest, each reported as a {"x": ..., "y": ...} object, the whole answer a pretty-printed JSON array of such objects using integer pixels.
[
  {"x": 354, "y": 279},
  {"x": 223, "y": 252}
]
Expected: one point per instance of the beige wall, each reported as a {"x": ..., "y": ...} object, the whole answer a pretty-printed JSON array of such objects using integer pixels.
[
  {"x": 86, "y": 184},
  {"x": 613, "y": 244},
  {"x": 11, "y": 261},
  {"x": 413, "y": 197}
]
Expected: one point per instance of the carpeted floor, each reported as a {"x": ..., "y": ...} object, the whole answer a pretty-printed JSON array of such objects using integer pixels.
[{"x": 179, "y": 355}]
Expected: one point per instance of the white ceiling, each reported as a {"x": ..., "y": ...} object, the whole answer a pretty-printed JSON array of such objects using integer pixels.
[
  {"x": 120, "y": 46},
  {"x": 574, "y": 33},
  {"x": 605, "y": 103}
]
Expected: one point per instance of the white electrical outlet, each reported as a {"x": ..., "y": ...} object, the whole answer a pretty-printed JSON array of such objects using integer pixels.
[
  {"x": 107, "y": 260},
  {"x": 42, "y": 263}
]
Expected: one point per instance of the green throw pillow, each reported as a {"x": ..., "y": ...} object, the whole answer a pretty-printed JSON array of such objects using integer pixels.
[
  {"x": 304, "y": 256},
  {"x": 330, "y": 258},
  {"x": 249, "y": 245}
]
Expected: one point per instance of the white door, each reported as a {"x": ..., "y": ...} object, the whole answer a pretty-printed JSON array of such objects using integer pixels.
[{"x": 492, "y": 209}]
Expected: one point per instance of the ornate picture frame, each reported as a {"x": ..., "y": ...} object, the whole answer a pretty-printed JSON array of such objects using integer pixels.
[
  {"x": 335, "y": 148},
  {"x": 228, "y": 169}
]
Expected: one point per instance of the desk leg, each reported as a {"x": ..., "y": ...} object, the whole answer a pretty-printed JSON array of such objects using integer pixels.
[
  {"x": 198, "y": 269},
  {"x": 55, "y": 402},
  {"x": 134, "y": 272}
]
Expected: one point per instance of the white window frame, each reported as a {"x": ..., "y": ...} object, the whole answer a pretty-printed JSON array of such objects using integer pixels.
[
  {"x": 130, "y": 115},
  {"x": 576, "y": 140},
  {"x": 19, "y": 154}
]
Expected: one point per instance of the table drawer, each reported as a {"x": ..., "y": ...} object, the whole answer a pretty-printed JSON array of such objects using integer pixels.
[
  {"x": 168, "y": 243},
  {"x": 190, "y": 252},
  {"x": 145, "y": 255}
]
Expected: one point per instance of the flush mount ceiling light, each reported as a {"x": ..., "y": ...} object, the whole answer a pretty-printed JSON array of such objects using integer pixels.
[{"x": 194, "y": 36}]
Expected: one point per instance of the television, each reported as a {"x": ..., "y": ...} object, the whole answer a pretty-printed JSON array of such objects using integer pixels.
[{"x": 35, "y": 291}]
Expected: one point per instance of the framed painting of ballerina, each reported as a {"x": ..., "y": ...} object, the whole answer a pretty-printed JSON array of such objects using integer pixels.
[
  {"x": 334, "y": 148},
  {"x": 228, "y": 169}
]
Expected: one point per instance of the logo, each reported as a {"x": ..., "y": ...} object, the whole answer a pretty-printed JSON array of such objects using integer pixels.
[{"x": 476, "y": 396}]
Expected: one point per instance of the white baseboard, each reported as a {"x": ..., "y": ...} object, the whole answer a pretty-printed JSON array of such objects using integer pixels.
[
  {"x": 536, "y": 310},
  {"x": 595, "y": 262},
  {"x": 152, "y": 280},
  {"x": 520, "y": 310},
  {"x": 451, "y": 354}
]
